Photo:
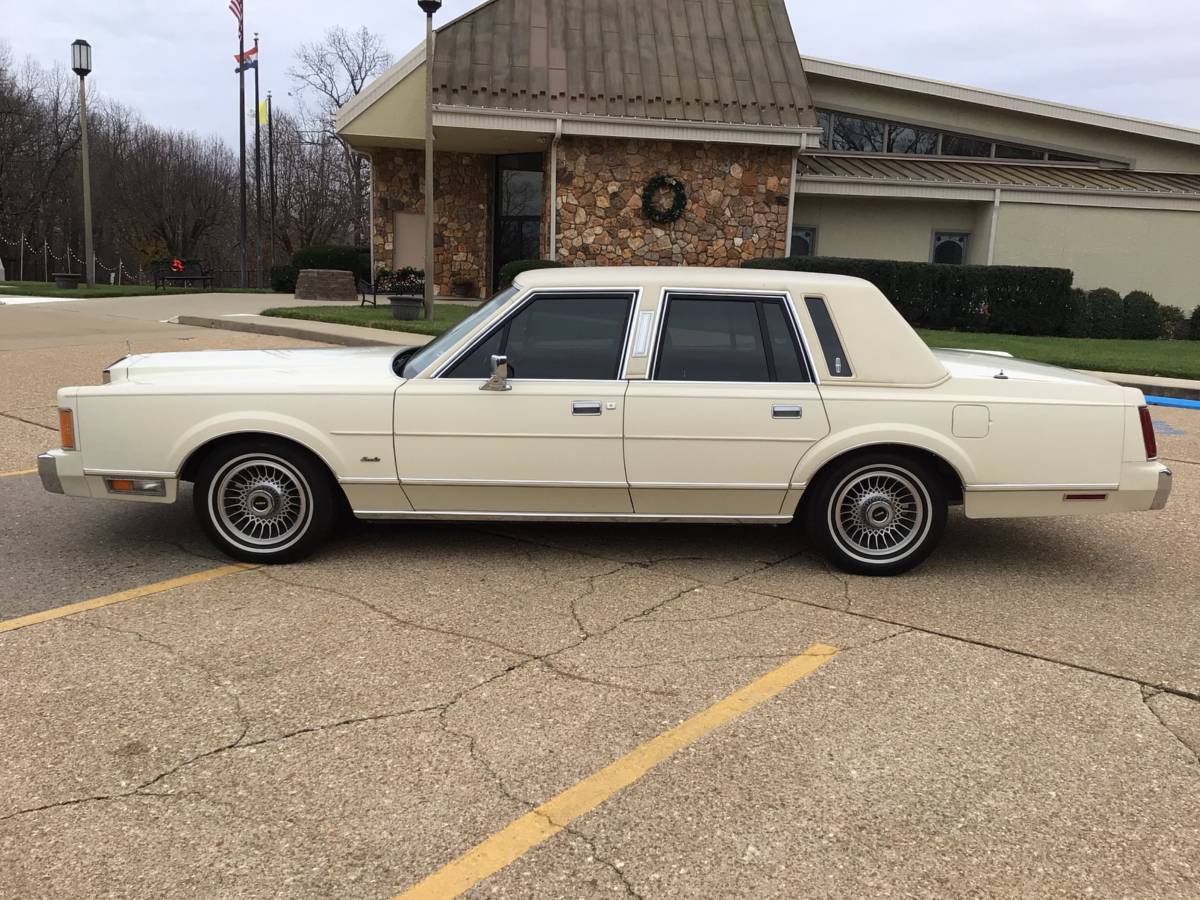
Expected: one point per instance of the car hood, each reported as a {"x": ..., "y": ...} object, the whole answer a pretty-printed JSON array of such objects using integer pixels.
[
  {"x": 981, "y": 364},
  {"x": 350, "y": 365}
]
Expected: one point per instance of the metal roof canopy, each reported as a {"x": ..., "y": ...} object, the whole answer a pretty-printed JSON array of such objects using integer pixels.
[
  {"x": 864, "y": 168},
  {"x": 703, "y": 61}
]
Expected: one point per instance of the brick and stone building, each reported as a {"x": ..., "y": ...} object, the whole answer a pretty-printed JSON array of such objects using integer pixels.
[{"x": 552, "y": 116}]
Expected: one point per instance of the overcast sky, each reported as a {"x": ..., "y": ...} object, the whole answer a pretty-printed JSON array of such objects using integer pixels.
[{"x": 172, "y": 60}]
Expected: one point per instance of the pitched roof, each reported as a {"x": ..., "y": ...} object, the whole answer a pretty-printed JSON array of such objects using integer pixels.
[
  {"x": 720, "y": 61},
  {"x": 986, "y": 173}
]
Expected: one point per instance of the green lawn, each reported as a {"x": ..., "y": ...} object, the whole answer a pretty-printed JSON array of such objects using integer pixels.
[
  {"x": 45, "y": 289},
  {"x": 1172, "y": 359},
  {"x": 445, "y": 316}
]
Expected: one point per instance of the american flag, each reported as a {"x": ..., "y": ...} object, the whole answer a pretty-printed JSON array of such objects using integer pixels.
[{"x": 235, "y": 7}]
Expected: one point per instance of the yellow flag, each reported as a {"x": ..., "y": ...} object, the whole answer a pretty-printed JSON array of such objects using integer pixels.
[{"x": 262, "y": 113}]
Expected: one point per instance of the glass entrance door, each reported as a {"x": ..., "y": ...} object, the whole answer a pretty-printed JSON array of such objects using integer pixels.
[{"x": 518, "y": 204}]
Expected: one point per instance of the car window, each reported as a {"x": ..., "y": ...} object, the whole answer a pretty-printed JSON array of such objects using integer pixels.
[
  {"x": 708, "y": 338},
  {"x": 831, "y": 344},
  {"x": 431, "y": 351},
  {"x": 569, "y": 336}
]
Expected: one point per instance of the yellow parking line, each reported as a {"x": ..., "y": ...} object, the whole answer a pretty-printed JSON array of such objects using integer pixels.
[
  {"x": 121, "y": 596},
  {"x": 525, "y": 833},
  {"x": 18, "y": 472}
]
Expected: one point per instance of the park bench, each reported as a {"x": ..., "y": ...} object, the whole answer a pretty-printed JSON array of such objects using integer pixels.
[{"x": 183, "y": 273}]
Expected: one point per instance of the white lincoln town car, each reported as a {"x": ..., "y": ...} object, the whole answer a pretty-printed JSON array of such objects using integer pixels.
[{"x": 613, "y": 395}]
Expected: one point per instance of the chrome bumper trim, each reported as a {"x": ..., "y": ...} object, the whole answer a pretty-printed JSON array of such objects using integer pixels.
[
  {"x": 48, "y": 472},
  {"x": 1164, "y": 489}
]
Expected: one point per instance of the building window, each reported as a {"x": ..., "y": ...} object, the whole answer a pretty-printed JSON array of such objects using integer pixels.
[
  {"x": 1008, "y": 151},
  {"x": 909, "y": 139},
  {"x": 856, "y": 133},
  {"x": 844, "y": 132},
  {"x": 950, "y": 247},
  {"x": 804, "y": 241},
  {"x": 960, "y": 145}
]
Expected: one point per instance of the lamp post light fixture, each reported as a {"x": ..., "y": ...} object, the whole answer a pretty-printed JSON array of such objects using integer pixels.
[
  {"x": 81, "y": 62},
  {"x": 429, "y": 7}
]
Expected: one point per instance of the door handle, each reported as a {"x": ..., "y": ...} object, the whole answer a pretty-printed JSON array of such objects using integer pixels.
[
  {"x": 585, "y": 408},
  {"x": 784, "y": 411}
]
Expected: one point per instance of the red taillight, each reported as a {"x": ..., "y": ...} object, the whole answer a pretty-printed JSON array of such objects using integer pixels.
[{"x": 1148, "y": 432}]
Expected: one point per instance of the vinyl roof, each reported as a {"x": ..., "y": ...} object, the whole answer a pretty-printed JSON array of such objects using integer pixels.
[
  {"x": 722, "y": 61},
  {"x": 994, "y": 173}
]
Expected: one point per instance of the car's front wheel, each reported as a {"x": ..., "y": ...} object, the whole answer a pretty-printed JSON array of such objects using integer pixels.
[
  {"x": 877, "y": 513},
  {"x": 264, "y": 501}
]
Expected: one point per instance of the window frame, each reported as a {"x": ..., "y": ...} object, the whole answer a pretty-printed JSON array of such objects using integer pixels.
[
  {"x": 791, "y": 318},
  {"x": 632, "y": 294},
  {"x": 792, "y": 239},
  {"x": 950, "y": 233}
]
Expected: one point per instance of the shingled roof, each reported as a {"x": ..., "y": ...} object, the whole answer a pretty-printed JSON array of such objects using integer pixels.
[{"x": 706, "y": 61}]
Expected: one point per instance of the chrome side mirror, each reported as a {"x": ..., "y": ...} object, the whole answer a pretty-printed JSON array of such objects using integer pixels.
[{"x": 499, "y": 379}]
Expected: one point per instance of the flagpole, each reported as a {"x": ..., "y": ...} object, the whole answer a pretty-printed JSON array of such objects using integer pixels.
[
  {"x": 257, "y": 177},
  {"x": 242, "y": 133},
  {"x": 271, "y": 169}
]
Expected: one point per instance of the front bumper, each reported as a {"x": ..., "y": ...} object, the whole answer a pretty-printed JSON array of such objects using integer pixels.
[
  {"x": 1164, "y": 489},
  {"x": 48, "y": 471}
]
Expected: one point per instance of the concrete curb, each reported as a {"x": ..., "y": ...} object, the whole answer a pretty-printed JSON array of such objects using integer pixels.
[
  {"x": 1179, "y": 388},
  {"x": 299, "y": 333}
]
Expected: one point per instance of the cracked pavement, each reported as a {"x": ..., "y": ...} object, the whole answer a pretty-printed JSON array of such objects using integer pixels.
[{"x": 1020, "y": 716}]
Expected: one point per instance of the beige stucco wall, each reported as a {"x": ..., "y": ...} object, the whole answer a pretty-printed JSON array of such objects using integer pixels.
[
  {"x": 889, "y": 229},
  {"x": 1124, "y": 249},
  {"x": 955, "y": 115}
]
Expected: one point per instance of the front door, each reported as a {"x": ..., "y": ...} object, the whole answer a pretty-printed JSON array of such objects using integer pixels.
[
  {"x": 550, "y": 444},
  {"x": 726, "y": 412},
  {"x": 518, "y": 205}
]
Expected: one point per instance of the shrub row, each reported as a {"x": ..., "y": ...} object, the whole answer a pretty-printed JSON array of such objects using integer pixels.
[
  {"x": 1005, "y": 299},
  {"x": 1027, "y": 300},
  {"x": 510, "y": 270}
]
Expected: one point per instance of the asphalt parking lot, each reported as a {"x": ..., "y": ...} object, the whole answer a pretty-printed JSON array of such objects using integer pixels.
[{"x": 649, "y": 711}]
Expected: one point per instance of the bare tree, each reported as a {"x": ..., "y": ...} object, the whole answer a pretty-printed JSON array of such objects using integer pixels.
[{"x": 329, "y": 73}]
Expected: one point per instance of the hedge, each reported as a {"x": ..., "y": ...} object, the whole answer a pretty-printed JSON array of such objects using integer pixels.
[
  {"x": 1106, "y": 313},
  {"x": 1194, "y": 330},
  {"x": 1141, "y": 319},
  {"x": 1005, "y": 299},
  {"x": 283, "y": 278},
  {"x": 510, "y": 270},
  {"x": 333, "y": 256}
]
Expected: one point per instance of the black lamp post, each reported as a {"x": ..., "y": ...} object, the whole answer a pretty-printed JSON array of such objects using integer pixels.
[
  {"x": 429, "y": 7},
  {"x": 81, "y": 62}
]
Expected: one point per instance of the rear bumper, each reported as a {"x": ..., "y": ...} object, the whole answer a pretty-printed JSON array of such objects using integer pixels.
[
  {"x": 1143, "y": 486},
  {"x": 1164, "y": 489}
]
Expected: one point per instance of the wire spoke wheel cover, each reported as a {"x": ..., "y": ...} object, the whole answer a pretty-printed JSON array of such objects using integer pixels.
[
  {"x": 260, "y": 502},
  {"x": 879, "y": 513}
]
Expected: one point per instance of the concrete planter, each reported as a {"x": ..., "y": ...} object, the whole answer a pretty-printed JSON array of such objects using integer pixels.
[
  {"x": 407, "y": 308},
  {"x": 326, "y": 284},
  {"x": 66, "y": 281}
]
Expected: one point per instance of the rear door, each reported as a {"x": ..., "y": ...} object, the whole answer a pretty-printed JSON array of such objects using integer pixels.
[{"x": 728, "y": 407}]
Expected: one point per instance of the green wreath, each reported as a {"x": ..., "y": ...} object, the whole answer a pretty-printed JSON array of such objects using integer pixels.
[{"x": 659, "y": 214}]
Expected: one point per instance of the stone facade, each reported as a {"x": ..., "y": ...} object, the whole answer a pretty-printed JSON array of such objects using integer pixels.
[
  {"x": 737, "y": 207},
  {"x": 462, "y": 202}
]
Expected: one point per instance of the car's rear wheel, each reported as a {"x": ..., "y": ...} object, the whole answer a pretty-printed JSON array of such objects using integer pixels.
[
  {"x": 877, "y": 513},
  {"x": 264, "y": 501}
]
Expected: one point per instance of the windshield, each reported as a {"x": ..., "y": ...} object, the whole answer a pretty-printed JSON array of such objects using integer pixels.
[{"x": 431, "y": 351}]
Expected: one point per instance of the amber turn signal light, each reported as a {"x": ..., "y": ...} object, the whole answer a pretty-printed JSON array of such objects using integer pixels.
[{"x": 66, "y": 428}]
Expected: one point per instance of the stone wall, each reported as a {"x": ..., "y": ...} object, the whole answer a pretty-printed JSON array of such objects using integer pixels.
[
  {"x": 737, "y": 208},
  {"x": 462, "y": 203}
]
